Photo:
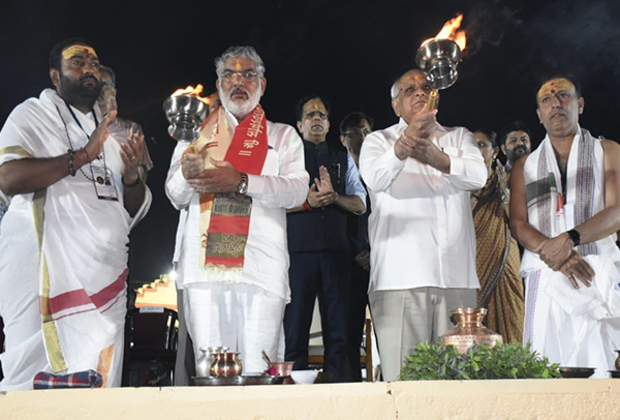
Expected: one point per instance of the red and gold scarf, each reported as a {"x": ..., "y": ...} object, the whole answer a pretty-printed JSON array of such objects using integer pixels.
[{"x": 225, "y": 217}]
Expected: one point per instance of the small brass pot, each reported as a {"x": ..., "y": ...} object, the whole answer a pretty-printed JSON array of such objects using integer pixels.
[
  {"x": 226, "y": 365},
  {"x": 469, "y": 330}
]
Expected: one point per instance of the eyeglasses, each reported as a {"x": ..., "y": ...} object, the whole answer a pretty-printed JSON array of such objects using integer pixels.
[
  {"x": 411, "y": 89},
  {"x": 247, "y": 75},
  {"x": 310, "y": 115}
]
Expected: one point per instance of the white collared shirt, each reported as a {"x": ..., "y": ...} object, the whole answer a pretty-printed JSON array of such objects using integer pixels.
[
  {"x": 421, "y": 228},
  {"x": 282, "y": 185}
]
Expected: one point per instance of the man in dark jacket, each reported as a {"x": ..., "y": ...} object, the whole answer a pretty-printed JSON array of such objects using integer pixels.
[{"x": 318, "y": 246}]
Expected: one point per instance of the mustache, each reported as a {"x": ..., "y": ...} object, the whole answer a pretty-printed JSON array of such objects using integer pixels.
[
  {"x": 558, "y": 112},
  {"x": 87, "y": 77},
  {"x": 239, "y": 90}
]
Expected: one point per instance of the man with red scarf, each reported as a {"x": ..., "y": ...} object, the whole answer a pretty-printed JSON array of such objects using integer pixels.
[{"x": 246, "y": 171}]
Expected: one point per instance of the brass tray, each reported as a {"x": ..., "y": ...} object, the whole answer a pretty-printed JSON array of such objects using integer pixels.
[
  {"x": 238, "y": 380},
  {"x": 576, "y": 372},
  {"x": 615, "y": 373}
]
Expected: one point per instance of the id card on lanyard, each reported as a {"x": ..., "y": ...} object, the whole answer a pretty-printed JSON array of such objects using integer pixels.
[
  {"x": 101, "y": 175},
  {"x": 104, "y": 185}
]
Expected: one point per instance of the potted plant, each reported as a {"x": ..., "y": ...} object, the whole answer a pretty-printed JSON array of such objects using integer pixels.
[{"x": 503, "y": 361}]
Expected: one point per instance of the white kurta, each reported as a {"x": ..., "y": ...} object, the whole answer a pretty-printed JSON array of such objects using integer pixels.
[
  {"x": 283, "y": 184},
  {"x": 63, "y": 246},
  {"x": 421, "y": 228},
  {"x": 244, "y": 317}
]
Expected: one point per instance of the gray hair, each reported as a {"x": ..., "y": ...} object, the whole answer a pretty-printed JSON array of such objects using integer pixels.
[
  {"x": 106, "y": 69},
  {"x": 237, "y": 51},
  {"x": 394, "y": 89}
]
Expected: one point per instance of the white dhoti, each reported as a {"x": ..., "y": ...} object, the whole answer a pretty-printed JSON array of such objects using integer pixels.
[
  {"x": 575, "y": 327},
  {"x": 572, "y": 327},
  {"x": 233, "y": 258},
  {"x": 242, "y": 317},
  {"x": 63, "y": 254}
]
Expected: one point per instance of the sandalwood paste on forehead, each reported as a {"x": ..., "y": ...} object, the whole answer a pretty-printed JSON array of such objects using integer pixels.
[
  {"x": 554, "y": 85},
  {"x": 74, "y": 50}
]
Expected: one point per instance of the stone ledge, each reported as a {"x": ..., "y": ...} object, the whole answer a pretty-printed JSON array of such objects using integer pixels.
[{"x": 551, "y": 399}]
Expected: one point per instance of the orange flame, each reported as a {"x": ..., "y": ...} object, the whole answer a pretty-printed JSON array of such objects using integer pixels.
[
  {"x": 451, "y": 30},
  {"x": 193, "y": 91}
]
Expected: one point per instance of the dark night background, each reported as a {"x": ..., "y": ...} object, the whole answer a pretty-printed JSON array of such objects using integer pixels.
[{"x": 348, "y": 51}]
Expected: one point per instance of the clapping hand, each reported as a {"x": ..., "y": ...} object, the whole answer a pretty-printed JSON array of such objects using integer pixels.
[
  {"x": 132, "y": 154},
  {"x": 322, "y": 192},
  {"x": 98, "y": 137}
]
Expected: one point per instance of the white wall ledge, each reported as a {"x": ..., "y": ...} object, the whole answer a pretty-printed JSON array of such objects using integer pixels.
[{"x": 548, "y": 399}]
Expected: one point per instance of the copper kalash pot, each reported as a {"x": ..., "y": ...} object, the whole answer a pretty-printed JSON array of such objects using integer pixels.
[
  {"x": 226, "y": 364},
  {"x": 469, "y": 330}
]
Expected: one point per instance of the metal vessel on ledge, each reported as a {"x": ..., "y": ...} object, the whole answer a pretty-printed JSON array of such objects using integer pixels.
[
  {"x": 439, "y": 58},
  {"x": 226, "y": 364},
  {"x": 469, "y": 330},
  {"x": 186, "y": 111}
]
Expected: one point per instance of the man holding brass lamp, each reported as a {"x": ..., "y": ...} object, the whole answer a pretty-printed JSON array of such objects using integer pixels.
[
  {"x": 236, "y": 186},
  {"x": 423, "y": 257}
]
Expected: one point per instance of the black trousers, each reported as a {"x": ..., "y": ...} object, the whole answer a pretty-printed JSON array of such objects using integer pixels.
[
  {"x": 325, "y": 275},
  {"x": 358, "y": 300}
]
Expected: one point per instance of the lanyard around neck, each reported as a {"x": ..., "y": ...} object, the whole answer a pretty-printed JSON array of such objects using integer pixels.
[{"x": 75, "y": 118}]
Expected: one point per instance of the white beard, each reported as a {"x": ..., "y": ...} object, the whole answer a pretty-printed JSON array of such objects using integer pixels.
[{"x": 240, "y": 110}]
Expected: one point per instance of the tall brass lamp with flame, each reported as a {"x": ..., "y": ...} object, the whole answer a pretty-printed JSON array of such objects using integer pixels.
[
  {"x": 186, "y": 111},
  {"x": 438, "y": 57}
]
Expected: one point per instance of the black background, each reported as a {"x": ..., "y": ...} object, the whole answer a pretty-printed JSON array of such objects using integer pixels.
[{"x": 348, "y": 51}]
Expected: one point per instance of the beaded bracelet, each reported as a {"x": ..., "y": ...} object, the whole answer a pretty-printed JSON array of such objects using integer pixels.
[{"x": 71, "y": 168}]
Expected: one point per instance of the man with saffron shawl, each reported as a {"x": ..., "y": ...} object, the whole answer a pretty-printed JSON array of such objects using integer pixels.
[{"x": 233, "y": 259}]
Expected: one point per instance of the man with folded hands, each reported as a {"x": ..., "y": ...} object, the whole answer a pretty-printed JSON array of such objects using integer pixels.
[{"x": 565, "y": 206}]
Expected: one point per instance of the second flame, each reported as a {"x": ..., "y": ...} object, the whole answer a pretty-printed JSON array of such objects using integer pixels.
[{"x": 193, "y": 91}]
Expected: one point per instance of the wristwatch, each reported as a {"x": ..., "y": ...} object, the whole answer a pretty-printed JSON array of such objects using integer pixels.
[
  {"x": 242, "y": 188},
  {"x": 574, "y": 236}
]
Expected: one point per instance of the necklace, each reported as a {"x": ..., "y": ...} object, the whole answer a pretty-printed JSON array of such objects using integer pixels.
[{"x": 105, "y": 167}]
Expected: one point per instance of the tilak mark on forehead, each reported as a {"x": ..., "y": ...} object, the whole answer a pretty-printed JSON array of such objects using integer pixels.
[
  {"x": 418, "y": 77},
  {"x": 553, "y": 86},
  {"x": 74, "y": 50},
  {"x": 238, "y": 66}
]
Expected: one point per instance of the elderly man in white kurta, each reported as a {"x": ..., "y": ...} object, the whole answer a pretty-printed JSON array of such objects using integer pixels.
[
  {"x": 423, "y": 251},
  {"x": 75, "y": 195},
  {"x": 237, "y": 187}
]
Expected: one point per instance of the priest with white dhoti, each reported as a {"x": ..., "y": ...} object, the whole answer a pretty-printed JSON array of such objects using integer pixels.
[
  {"x": 565, "y": 207},
  {"x": 75, "y": 194},
  {"x": 237, "y": 183}
]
